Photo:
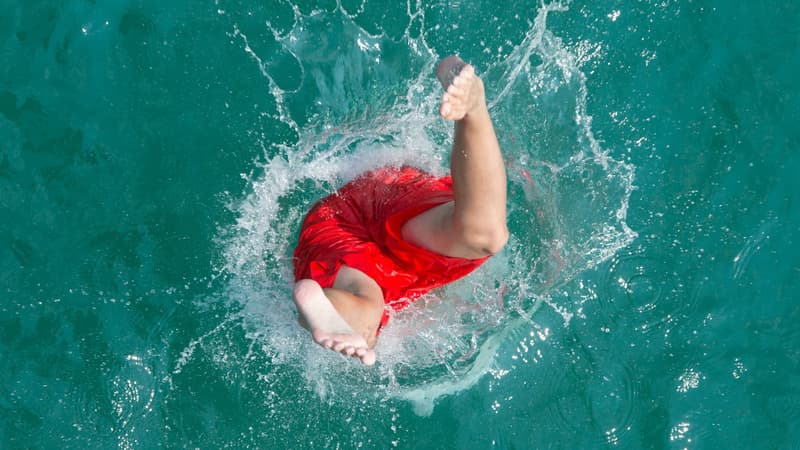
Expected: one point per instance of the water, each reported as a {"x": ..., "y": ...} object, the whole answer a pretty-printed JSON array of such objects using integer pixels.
[{"x": 156, "y": 160}]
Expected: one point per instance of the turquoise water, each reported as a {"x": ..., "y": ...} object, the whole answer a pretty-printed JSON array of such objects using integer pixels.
[{"x": 156, "y": 159}]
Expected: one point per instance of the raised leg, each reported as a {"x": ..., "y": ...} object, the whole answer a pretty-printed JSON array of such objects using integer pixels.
[{"x": 474, "y": 224}]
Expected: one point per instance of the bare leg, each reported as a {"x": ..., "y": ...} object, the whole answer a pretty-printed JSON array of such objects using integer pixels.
[
  {"x": 474, "y": 225},
  {"x": 344, "y": 318}
]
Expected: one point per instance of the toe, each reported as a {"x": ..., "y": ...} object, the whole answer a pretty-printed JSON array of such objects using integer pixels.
[
  {"x": 455, "y": 91},
  {"x": 368, "y": 358},
  {"x": 445, "y": 109},
  {"x": 468, "y": 71},
  {"x": 461, "y": 80}
]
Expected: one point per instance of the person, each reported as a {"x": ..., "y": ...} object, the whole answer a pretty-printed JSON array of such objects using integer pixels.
[{"x": 394, "y": 233}]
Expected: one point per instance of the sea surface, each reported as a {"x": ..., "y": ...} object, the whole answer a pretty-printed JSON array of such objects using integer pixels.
[{"x": 157, "y": 158}]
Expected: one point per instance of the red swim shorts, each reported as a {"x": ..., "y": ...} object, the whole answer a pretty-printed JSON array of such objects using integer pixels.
[{"x": 359, "y": 226}]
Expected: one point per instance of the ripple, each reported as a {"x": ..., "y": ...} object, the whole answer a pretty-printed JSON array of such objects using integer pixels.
[
  {"x": 132, "y": 392},
  {"x": 597, "y": 398},
  {"x": 651, "y": 285}
]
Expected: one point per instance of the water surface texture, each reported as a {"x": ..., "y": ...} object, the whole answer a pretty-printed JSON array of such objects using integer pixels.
[{"x": 157, "y": 158}]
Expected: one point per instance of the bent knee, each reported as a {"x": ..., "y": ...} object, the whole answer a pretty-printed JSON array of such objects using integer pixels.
[
  {"x": 486, "y": 242},
  {"x": 496, "y": 240}
]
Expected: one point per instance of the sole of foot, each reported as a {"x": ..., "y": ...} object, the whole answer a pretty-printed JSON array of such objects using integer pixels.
[{"x": 327, "y": 327}]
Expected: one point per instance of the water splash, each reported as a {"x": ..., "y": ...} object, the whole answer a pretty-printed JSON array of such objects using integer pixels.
[{"x": 362, "y": 101}]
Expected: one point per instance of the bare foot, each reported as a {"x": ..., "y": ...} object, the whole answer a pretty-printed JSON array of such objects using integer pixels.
[
  {"x": 463, "y": 89},
  {"x": 327, "y": 327}
]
